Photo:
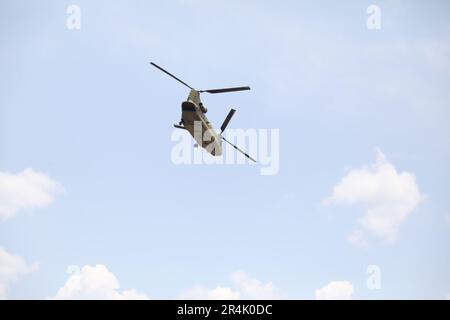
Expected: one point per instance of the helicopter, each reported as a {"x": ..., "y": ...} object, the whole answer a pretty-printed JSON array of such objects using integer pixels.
[{"x": 194, "y": 120}]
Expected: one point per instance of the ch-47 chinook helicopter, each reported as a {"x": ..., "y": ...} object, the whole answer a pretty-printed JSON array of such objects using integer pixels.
[{"x": 193, "y": 118}]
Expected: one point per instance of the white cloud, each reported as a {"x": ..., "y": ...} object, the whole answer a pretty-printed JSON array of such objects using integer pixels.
[
  {"x": 11, "y": 267},
  {"x": 388, "y": 196},
  {"x": 95, "y": 283},
  {"x": 25, "y": 190},
  {"x": 252, "y": 288},
  {"x": 244, "y": 287},
  {"x": 335, "y": 290},
  {"x": 203, "y": 293},
  {"x": 357, "y": 238}
]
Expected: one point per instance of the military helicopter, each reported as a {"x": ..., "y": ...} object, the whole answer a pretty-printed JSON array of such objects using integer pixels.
[{"x": 194, "y": 120}]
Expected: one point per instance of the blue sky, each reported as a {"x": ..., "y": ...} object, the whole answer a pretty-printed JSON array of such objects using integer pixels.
[{"x": 85, "y": 111}]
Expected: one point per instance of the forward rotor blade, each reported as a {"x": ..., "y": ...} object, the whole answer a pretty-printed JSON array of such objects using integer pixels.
[
  {"x": 245, "y": 154},
  {"x": 167, "y": 72},
  {"x": 226, "y": 90}
]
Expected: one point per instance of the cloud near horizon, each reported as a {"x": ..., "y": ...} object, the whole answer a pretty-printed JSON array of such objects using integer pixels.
[
  {"x": 11, "y": 267},
  {"x": 95, "y": 283},
  {"x": 336, "y": 290},
  {"x": 388, "y": 196},
  {"x": 244, "y": 287},
  {"x": 25, "y": 190}
]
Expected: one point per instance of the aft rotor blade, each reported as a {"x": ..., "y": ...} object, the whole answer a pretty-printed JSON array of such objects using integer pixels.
[
  {"x": 167, "y": 72},
  {"x": 245, "y": 154},
  {"x": 227, "y": 120},
  {"x": 226, "y": 90}
]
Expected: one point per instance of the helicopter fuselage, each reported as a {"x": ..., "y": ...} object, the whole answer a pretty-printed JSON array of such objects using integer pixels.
[
  {"x": 193, "y": 118},
  {"x": 197, "y": 124}
]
